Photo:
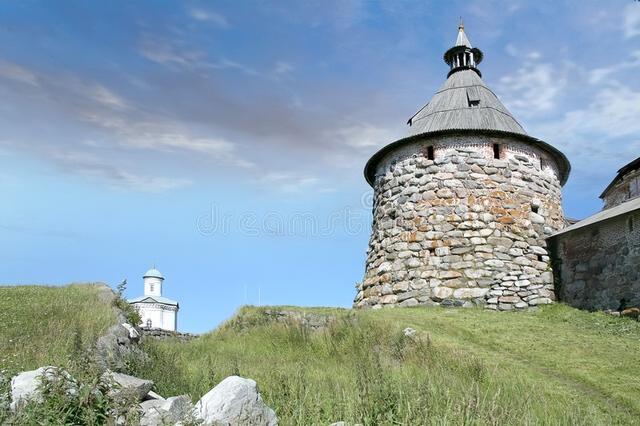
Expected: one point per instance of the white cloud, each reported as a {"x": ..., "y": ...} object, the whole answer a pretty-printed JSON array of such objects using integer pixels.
[
  {"x": 169, "y": 53},
  {"x": 163, "y": 52},
  {"x": 606, "y": 133},
  {"x": 597, "y": 75},
  {"x": 365, "y": 135},
  {"x": 93, "y": 167},
  {"x": 613, "y": 113},
  {"x": 161, "y": 135},
  {"x": 107, "y": 98},
  {"x": 282, "y": 67},
  {"x": 18, "y": 73},
  {"x": 632, "y": 20},
  {"x": 228, "y": 64},
  {"x": 532, "y": 89},
  {"x": 290, "y": 182},
  {"x": 209, "y": 16}
]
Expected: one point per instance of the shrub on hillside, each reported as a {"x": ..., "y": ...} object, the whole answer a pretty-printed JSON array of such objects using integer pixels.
[
  {"x": 130, "y": 313},
  {"x": 65, "y": 400}
]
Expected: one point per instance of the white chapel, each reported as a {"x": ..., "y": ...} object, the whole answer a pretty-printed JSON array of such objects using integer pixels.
[{"x": 155, "y": 310}]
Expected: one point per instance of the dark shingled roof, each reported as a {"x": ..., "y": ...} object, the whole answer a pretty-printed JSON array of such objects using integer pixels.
[
  {"x": 452, "y": 108},
  {"x": 465, "y": 104}
]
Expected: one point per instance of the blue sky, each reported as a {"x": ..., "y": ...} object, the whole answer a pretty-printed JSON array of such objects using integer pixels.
[{"x": 225, "y": 141}]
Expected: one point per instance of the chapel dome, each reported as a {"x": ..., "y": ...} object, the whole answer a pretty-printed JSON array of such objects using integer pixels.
[{"x": 153, "y": 273}]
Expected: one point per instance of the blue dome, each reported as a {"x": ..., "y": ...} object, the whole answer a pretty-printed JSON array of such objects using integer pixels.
[{"x": 153, "y": 273}]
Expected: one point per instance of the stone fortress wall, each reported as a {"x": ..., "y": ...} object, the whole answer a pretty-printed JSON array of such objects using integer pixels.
[
  {"x": 597, "y": 267},
  {"x": 462, "y": 229}
]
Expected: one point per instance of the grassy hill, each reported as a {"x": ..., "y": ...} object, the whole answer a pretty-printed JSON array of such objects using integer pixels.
[
  {"x": 465, "y": 366},
  {"x": 554, "y": 366},
  {"x": 48, "y": 325}
]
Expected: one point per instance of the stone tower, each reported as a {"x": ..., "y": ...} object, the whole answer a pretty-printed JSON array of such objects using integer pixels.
[{"x": 463, "y": 203}]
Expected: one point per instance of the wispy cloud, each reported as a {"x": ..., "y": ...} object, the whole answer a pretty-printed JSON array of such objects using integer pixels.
[
  {"x": 599, "y": 75},
  {"x": 174, "y": 53},
  {"x": 282, "y": 68},
  {"x": 209, "y": 16},
  {"x": 533, "y": 88},
  {"x": 290, "y": 182},
  {"x": 607, "y": 130},
  {"x": 167, "y": 52},
  {"x": 118, "y": 129},
  {"x": 157, "y": 134},
  {"x": 228, "y": 64},
  {"x": 95, "y": 168},
  {"x": 106, "y": 97},
  {"x": 365, "y": 135},
  {"x": 632, "y": 20},
  {"x": 18, "y": 73}
]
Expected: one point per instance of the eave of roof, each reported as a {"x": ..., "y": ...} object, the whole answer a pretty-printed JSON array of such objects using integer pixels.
[
  {"x": 563, "y": 163},
  {"x": 154, "y": 299},
  {"x": 635, "y": 164},
  {"x": 603, "y": 215}
]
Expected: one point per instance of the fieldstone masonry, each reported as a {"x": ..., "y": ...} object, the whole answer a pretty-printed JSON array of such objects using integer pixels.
[
  {"x": 596, "y": 266},
  {"x": 463, "y": 229}
]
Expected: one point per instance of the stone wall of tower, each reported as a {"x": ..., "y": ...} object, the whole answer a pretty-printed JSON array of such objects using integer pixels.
[{"x": 463, "y": 229}]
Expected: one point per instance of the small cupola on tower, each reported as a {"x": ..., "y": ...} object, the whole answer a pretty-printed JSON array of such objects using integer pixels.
[
  {"x": 463, "y": 56},
  {"x": 153, "y": 282}
]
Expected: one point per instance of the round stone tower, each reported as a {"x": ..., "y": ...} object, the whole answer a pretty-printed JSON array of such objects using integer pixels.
[{"x": 463, "y": 204}]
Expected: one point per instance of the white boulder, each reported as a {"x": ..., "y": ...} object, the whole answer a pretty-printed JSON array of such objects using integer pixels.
[
  {"x": 24, "y": 386},
  {"x": 166, "y": 412},
  {"x": 133, "y": 333},
  {"x": 409, "y": 332},
  {"x": 235, "y": 401}
]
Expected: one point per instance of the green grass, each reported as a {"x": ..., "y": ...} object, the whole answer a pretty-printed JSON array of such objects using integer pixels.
[
  {"x": 49, "y": 325},
  {"x": 556, "y": 366}
]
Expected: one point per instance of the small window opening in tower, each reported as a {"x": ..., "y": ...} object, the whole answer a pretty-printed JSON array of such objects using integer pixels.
[
  {"x": 540, "y": 258},
  {"x": 149, "y": 324},
  {"x": 150, "y": 287},
  {"x": 496, "y": 151},
  {"x": 630, "y": 223},
  {"x": 534, "y": 208},
  {"x": 430, "y": 155}
]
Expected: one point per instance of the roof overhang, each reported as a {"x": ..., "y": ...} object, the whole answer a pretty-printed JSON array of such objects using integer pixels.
[
  {"x": 564, "y": 166},
  {"x": 151, "y": 299},
  {"x": 603, "y": 216},
  {"x": 635, "y": 164}
]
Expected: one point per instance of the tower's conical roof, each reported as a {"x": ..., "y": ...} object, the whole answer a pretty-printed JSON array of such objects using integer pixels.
[{"x": 464, "y": 102}]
